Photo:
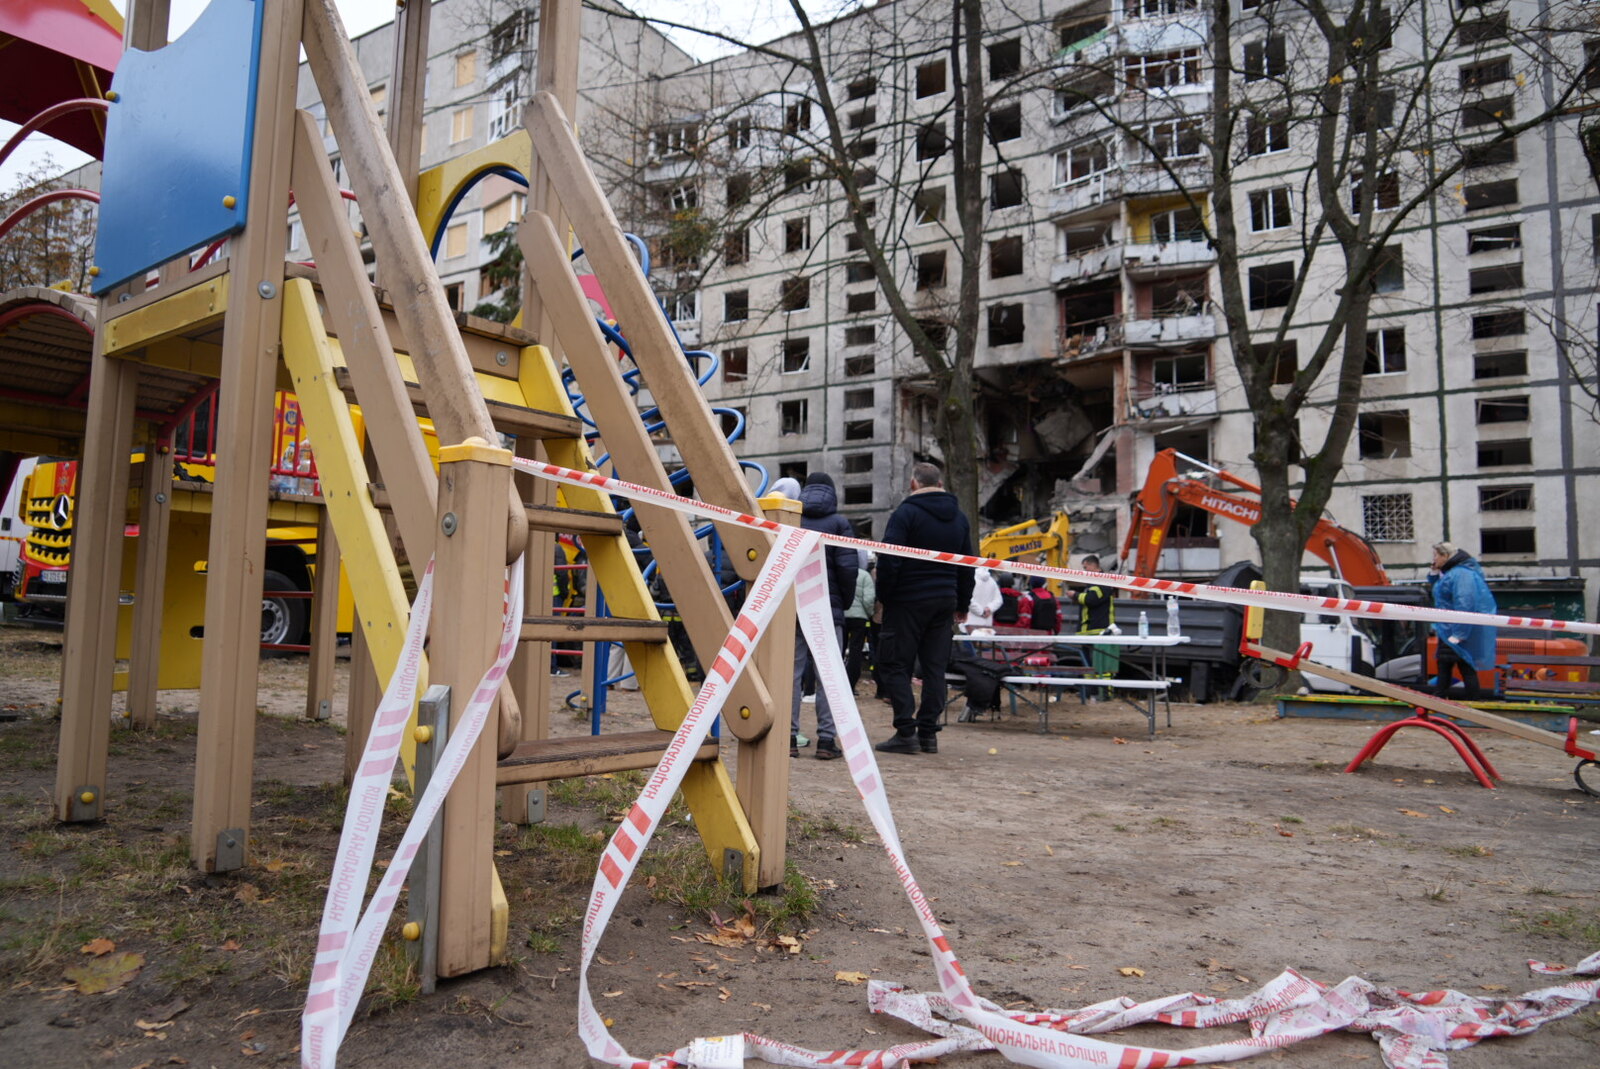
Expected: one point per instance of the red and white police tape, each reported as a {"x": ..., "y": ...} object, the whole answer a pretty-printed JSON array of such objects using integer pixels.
[
  {"x": 349, "y": 937},
  {"x": 1413, "y": 1029},
  {"x": 1266, "y": 599}
]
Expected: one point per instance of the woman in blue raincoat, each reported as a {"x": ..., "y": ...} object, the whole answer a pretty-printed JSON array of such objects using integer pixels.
[{"x": 1457, "y": 583}]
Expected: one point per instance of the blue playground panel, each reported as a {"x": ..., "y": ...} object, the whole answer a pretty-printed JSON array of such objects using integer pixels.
[{"x": 178, "y": 142}]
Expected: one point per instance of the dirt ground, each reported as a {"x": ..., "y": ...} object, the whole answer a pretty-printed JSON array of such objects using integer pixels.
[{"x": 1209, "y": 859}]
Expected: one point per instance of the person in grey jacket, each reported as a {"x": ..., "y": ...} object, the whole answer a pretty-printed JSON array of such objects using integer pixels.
[
  {"x": 858, "y": 619},
  {"x": 819, "y": 511}
]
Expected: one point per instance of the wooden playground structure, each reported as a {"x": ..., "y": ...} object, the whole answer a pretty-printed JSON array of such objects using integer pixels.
[{"x": 250, "y": 324}]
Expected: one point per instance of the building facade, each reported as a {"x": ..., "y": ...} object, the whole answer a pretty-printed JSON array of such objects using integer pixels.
[{"x": 1102, "y": 335}]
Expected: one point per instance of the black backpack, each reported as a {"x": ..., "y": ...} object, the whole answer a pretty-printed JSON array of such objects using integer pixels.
[{"x": 1046, "y": 611}]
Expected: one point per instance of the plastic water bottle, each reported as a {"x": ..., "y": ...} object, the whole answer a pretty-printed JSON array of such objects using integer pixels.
[
  {"x": 1172, "y": 617},
  {"x": 1144, "y": 625}
]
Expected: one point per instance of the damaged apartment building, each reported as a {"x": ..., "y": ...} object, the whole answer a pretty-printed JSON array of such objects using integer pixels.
[{"x": 1100, "y": 334}]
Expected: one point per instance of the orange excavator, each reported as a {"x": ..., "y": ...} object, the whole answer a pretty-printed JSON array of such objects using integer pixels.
[{"x": 1175, "y": 479}]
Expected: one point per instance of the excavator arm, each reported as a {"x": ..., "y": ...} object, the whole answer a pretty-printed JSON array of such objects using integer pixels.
[{"x": 1351, "y": 556}]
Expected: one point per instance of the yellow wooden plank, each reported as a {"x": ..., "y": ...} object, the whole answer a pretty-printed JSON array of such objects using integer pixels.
[
  {"x": 380, "y": 594},
  {"x": 185, "y": 311}
]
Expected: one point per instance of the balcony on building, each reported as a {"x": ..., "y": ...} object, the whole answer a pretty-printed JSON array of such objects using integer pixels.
[
  {"x": 1090, "y": 320},
  {"x": 1086, "y": 249},
  {"x": 1157, "y": 405},
  {"x": 1171, "y": 311},
  {"x": 1158, "y": 259},
  {"x": 1086, "y": 36},
  {"x": 1149, "y": 179}
]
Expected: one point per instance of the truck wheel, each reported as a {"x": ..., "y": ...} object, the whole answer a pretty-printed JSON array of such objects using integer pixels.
[{"x": 283, "y": 620}]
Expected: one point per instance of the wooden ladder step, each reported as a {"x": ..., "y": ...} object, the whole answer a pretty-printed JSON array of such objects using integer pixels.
[
  {"x": 540, "y": 517},
  {"x": 566, "y": 629},
  {"x": 573, "y": 521},
  {"x": 513, "y": 419},
  {"x": 588, "y": 755}
]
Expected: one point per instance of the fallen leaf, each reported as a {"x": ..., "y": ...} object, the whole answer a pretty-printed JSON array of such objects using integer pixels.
[
  {"x": 762, "y": 1005},
  {"x": 247, "y": 892},
  {"x": 1083, "y": 967},
  {"x": 1242, "y": 978},
  {"x": 1414, "y": 813},
  {"x": 607, "y": 1021},
  {"x": 1281, "y": 831},
  {"x": 992, "y": 751},
  {"x": 97, "y": 947},
  {"x": 1049, "y": 851},
  {"x": 1131, "y": 970},
  {"x": 1446, "y": 809},
  {"x": 250, "y": 1050},
  {"x": 1493, "y": 987},
  {"x": 151, "y": 1026},
  {"x": 248, "y": 1036},
  {"x": 231, "y": 946},
  {"x": 497, "y": 853},
  {"x": 788, "y": 942},
  {"x": 603, "y": 960},
  {"x": 1119, "y": 741},
  {"x": 850, "y": 977},
  {"x": 155, "y": 1035},
  {"x": 695, "y": 983},
  {"x": 274, "y": 865},
  {"x": 106, "y": 973},
  {"x": 649, "y": 881},
  {"x": 610, "y": 994},
  {"x": 723, "y": 994},
  {"x": 1010, "y": 864},
  {"x": 167, "y": 1010}
]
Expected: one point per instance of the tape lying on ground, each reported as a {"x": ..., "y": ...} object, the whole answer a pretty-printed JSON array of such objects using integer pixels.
[
  {"x": 1266, "y": 599},
  {"x": 348, "y": 939},
  {"x": 1411, "y": 1029}
]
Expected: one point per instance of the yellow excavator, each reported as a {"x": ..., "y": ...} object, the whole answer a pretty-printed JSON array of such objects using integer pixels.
[{"x": 1033, "y": 541}]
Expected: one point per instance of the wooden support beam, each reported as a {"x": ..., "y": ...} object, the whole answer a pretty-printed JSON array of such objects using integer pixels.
[
  {"x": 324, "y": 623},
  {"x": 361, "y": 705},
  {"x": 764, "y": 762},
  {"x": 697, "y": 433},
  {"x": 370, "y": 367},
  {"x": 224, "y": 754},
  {"x": 473, "y": 479},
  {"x": 560, "y": 45},
  {"x": 89, "y": 646},
  {"x": 407, "y": 87},
  {"x": 454, "y": 402},
  {"x": 524, "y": 803},
  {"x": 150, "y": 586},
  {"x": 687, "y": 572}
]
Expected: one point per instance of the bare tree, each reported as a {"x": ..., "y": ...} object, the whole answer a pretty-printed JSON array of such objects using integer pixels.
[
  {"x": 52, "y": 246},
  {"x": 1316, "y": 133},
  {"x": 819, "y": 111}
]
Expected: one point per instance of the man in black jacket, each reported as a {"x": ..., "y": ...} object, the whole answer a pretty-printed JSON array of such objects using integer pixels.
[
  {"x": 921, "y": 600},
  {"x": 819, "y": 511}
]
